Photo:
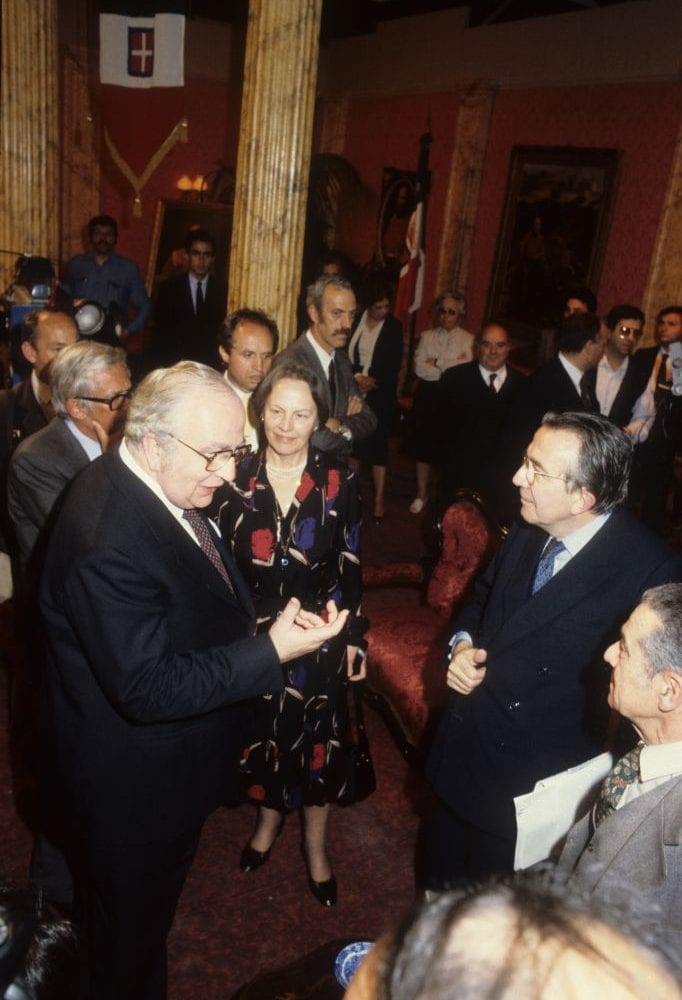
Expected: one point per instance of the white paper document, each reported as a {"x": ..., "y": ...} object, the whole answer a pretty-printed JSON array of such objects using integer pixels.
[{"x": 545, "y": 815}]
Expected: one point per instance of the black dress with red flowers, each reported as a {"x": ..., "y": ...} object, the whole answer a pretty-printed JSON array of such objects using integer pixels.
[{"x": 311, "y": 552}]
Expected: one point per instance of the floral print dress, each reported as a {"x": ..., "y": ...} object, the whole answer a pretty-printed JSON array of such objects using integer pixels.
[{"x": 311, "y": 552}]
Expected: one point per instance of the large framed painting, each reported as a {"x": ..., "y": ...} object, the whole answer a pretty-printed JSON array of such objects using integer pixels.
[
  {"x": 174, "y": 219},
  {"x": 398, "y": 190},
  {"x": 553, "y": 230}
]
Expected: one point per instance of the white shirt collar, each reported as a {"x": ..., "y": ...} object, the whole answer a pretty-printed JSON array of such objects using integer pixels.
[
  {"x": 324, "y": 357},
  {"x": 575, "y": 374},
  {"x": 500, "y": 372},
  {"x": 579, "y": 538},
  {"x": 243, "y": 395},
  {"x": 660, "y": 760},
  {"x": 90, "y": 446},
  {"x": 152, "y": 484}
]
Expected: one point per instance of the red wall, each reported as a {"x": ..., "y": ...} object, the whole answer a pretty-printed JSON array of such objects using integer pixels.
[
  {"x": 385, "y": 132},
  {"x": 213, "y": 118},
  {"x": 641, "y": 120}
]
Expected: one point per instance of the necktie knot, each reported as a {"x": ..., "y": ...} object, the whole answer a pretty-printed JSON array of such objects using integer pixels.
[
  {"x": 624, "y": 772},
  {"x": 491, "y": 381},
  {"x": 545, "y": 569},
  {"x": 199, "y": 525}
]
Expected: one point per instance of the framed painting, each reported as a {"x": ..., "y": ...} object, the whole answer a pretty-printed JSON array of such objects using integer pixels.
[
  {"x": 174, "y": 219},
  {"x": 397, "y": 204},
  {"x": 553, "y": 230}
]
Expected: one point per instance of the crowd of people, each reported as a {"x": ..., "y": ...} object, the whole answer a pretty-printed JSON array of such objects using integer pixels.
[{"x": 186, "y": 557}]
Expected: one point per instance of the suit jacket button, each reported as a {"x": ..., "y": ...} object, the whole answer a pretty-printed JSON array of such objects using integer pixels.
[
  {"x": 513, "y": 706},
  {"x": 543, "y": 671},
  {"x": 500, "y": 745}
]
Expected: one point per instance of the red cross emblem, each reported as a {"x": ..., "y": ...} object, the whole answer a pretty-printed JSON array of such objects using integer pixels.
[{"x": 140, "y": 51}]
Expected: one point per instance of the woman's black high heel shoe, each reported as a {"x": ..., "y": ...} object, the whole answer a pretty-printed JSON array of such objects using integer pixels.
[
  {"x": 324, "y": 892},
  {"x": 251, "y": 859}
]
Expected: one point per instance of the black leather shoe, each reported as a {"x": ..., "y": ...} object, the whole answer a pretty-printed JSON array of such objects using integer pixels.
[
  {"x": 324, "y": 892},
  {"x": 251, "y": 859}
]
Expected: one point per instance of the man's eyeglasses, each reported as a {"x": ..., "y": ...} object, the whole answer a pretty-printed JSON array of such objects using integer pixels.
[
  {"x": 629, "y": 331},
  {"x": 448, "y": 312},
  {"x": 217, "y": 459},
  {"x": 114, "y": 403},
  {"x": 532, "y": 473}
]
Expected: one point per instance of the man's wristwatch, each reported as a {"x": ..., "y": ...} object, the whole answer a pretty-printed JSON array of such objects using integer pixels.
[{"x": 345, "y": 432}]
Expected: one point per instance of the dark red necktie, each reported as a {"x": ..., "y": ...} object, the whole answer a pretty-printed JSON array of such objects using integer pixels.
[{"x": 199, "y": 526}]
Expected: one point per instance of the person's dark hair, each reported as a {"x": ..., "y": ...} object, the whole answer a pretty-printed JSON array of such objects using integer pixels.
[
  {"x": 37, "y": 955},
  {"x": 617, "y": 314},
  {"x": 432, "y": 955},
  {"x": 316, "y": 291},
  {"x": 604, "y": 460},
  {"x": 102, "y": 220},
  {"x": 330, "y": 257},
  {"x": 662, "y": 648},
  {"x": 374, "y": 289},
  {"x": 292, "y": 370},
  {"x": 256, "y": 316},
  {"x": 582, "y": 294},
  {"x": 669, "y": 309},
  {"x": 199, "y": 235},
  {"x": 577, "y": 330}
]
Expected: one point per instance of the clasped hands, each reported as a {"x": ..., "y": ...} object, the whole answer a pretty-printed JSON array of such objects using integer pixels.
[{"x": 466, "y": 669}]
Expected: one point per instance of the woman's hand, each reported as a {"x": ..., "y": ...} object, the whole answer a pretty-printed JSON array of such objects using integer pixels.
[{"x": 351, "y": 654}]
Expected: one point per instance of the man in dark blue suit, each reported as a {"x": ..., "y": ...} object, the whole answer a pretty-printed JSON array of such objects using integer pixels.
[
  {"x": 152, "y": 654},
  {"x": 190, "y": 308},
  {"x": 477, "y": 402},
  {"x": 526, "y": 668}
]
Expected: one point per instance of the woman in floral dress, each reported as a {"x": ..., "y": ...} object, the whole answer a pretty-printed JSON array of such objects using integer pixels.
[{"x": 293, "y": 523}]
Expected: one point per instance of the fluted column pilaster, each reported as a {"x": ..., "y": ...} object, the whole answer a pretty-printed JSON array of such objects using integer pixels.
[
  {"x": 29, "y": 121},
  {"x": 280, "y": 75}
]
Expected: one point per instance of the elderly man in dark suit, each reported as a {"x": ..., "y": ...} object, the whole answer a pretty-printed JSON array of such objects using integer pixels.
[
  {"x": 90, "y": 386},
  {"x": 632, "y": 837},
  {"x": 190, "y": 308},
  {"x": 477, "y": 402},
  {"x": 331, "y": 308},
  {"x": 152, "y": 655},
  {"x": 526, "y": 699}
]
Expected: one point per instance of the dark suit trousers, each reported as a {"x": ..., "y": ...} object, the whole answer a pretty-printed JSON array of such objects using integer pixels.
[
  {"x": 450, "y": 851},
  {"x": 126, "y": 903}
]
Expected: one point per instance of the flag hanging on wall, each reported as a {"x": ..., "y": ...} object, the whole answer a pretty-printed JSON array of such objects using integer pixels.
[
  {"x": 408, "y": 297},
  {"x": 142, "y": 77}
]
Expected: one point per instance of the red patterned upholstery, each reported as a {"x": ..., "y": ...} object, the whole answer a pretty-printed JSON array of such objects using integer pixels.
[{"x": 405, "y": 663}]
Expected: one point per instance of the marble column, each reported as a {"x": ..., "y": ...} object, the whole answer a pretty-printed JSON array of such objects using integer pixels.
[
  {"x": 29, "y": 121},
  {"x": 466, "y": 168},
  {"x": 664, "y": 285},
  {"x": 280, "y": 74}
]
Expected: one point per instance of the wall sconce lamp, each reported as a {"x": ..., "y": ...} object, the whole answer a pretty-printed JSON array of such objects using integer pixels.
[{"x": 191, "y": 189}]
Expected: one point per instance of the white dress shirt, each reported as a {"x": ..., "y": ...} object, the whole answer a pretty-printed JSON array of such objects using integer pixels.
[
  {"x": 448, "y": 347},
  {"x": 250, "y": 432},
  {"x": 658, "y": 763},
  {"x": 501, "y": 376},
  {"x": 90, "y": 446}
]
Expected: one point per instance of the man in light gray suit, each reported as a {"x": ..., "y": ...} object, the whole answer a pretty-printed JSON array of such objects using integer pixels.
[
  {"x": 90, "y": 386},
  {"x": 331, "y": 307},
  {"x": 632, "y": 837}
]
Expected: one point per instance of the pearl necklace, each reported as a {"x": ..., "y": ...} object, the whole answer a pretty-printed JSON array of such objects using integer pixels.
[{"x": 285, "y": 473}]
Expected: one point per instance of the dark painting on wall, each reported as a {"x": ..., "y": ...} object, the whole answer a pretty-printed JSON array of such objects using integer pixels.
[
  {"x": 553, "y": 230},
  {"x": 397, "y": 204},
  {"x": 174, "y": 219}
]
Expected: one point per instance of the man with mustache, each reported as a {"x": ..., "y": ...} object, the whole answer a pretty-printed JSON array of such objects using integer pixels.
[{"x": 331, "y": 308}]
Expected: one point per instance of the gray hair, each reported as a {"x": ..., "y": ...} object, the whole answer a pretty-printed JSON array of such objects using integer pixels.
[
  {"x": 72, "y": 371},
  {"x": 604, "y": 460},
  {"x": 155, "y": 403},
  {"x": 316, "y": 291},
  {"x": 663, "y": 646}
]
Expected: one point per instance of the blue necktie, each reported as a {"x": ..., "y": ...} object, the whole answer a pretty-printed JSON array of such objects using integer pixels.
[{"x": 545, "y": 568}]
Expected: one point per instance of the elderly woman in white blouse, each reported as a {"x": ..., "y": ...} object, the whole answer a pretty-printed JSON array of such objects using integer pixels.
[{"x": 443, "y": 347}]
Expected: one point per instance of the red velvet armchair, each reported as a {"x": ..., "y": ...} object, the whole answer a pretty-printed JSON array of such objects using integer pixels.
[{"x": 409, "y": 626}]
